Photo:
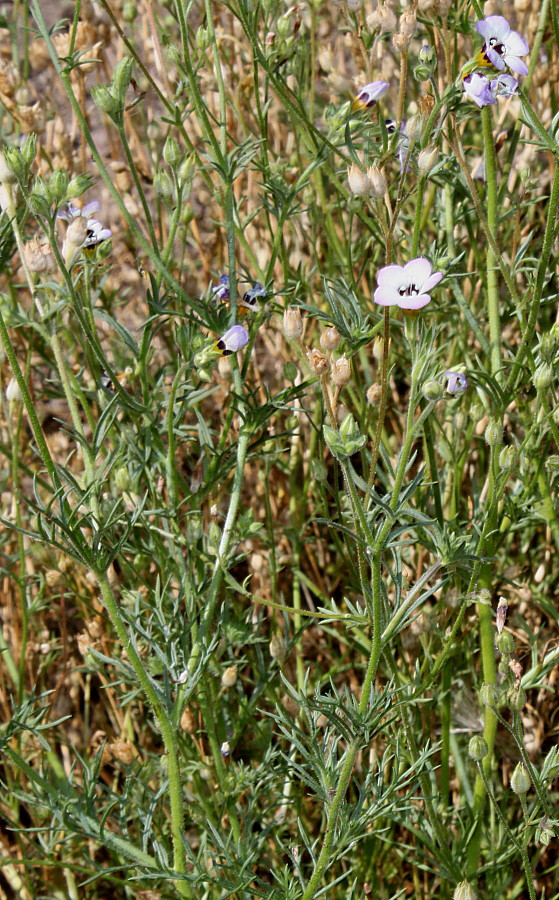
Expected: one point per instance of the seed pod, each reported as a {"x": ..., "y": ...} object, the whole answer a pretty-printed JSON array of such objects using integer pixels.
[
  {"x": 341, "y": 372},
  {"x": 229, "y": 677},
  {"x": 477, "y": 748},
  {"x": 293, "y": 323},
  {"x": 330, "y": 339}
]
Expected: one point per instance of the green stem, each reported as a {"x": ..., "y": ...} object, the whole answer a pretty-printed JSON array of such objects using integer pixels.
[
  {"x": 491, "y": 258},
  {"x": 167, "y": 730}
]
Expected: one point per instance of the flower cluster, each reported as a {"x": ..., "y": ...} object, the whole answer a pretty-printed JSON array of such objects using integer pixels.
[{"x": 502, "y": 47}]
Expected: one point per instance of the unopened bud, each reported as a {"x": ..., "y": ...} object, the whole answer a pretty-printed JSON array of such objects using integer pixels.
[
  {"x": 13, "y": 393},
  {"x": 358, "y": 181},
  {"x": 341, "y": 372},
  {"x": 432, "y": 390},
  {"x": 543, "y": 376},
  {"x": 292, "y": 323},
  {"x": 171, "y": 152},
  {"x": 552, "y": 463},
  {"x": 330, "y": 339},
  {"x": 6, "y": 174},
  {"x": 277, "y": 647},
  {"x": 319, "y": 363},
  {"x": 505, "y": 643},
  {"x": 516, "y": 698},
  {"x": 376, "y": 182},
  {"x": 488, "y": 695},
  {"x": 477, "y": 748},
  {"x": 427, "y": 160},
  {"x": 507, "y": 458},
  {"x": 374, "y": 393},
  {"x": 229, "y": 677},
  {"x": 520, "y": 780},
  {"x": 414, "y": 127},
  {"x": 493, "y": 433}
]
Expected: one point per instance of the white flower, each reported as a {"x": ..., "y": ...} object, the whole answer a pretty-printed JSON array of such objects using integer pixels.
[
  {"x": 503, "y": 47},
  {"x": 406, "y": 286}
]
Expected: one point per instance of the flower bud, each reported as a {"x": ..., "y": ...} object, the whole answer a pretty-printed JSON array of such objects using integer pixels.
[
  {"x": 414, "y": 127},
  {"x": 13, "y": 393},
  {"x": 464, "y": 891},
  {"x": 171, "y": 152},
  {"x": 543, "y": 376},
  {"x": 163, "y": 184},
  {"x": 6, "y": 174},
  {"x": 374, "y": 393},
  {"x": 432, "y": 390},
  {"x": 319, "y": 363},
  {"x": 58, "y": 185},
  {"x": 488, "y": 695},
  {"x": 293, "y": 323},
  {"x": 330, "y": 339},
  {"x": 477, "y": 748},
  {"x": 122, "y": 479},
  {"x": 520, "y": 781},
  {"x": 427, "y": 160},
  {"x": 345, "y": 442},
  {"x": 229, "y": 677},
  {"x": 104, "y": 98},
  {"x": 341, "y": 372},
  {"x": 358, "y": 181},
  {"x": 493, "y": 433},
  {"x": 516, "y": 698},
  {"x": 507, "y": 458},
  {"x": 376, "y": 182},
  {"x": 277, "y": 647},
  {"x": 505, "y": 643},
  {"x": 427, "y": 55},
  {"x": 121, "y": 78}
]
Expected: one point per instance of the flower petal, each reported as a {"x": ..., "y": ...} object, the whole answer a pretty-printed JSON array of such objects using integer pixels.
[
  {"x": 386, "y": 296},
  {"x": 431, "y": 282},
  {"x": 517, "y": 65},
  {"x": 416, "y": 302},
  {"x": 391, "y": 277},
  {"x": 92, "y": 207},
  {"x": 417, "y": 271},
  {"x": 493, "y": 26},
  {"x": 516, "y": 45}
]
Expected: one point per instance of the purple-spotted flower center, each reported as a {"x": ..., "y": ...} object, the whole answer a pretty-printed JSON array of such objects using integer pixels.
[{"x": 408, "y": 290}]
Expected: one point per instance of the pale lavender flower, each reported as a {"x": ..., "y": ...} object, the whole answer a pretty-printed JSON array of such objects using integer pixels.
[
  {"x": 221, "y": 290},
  {"x": 457, "y": 382},
  {"x": 502, "y": 47},
  {"x": 234, "y": 339},
  {"x": 250, "y": 299},
  {"x": 369, "y": 94},
  {"x": 478, "y": 88},
  {"x": 504, "y": 85},
  {"x": 406, "y": 286},
  {"x": 94, "y": 231}
]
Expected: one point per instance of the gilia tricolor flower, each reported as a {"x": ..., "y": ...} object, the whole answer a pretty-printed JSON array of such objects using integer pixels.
[
  {"x": 234, "y": 339},
  {"x": 369, "y": 94},
  {"x": 484, "y": 91},
  {"x": 406, "y": 286},
  {"x": 502, "y": 47},
  {"x": 457, "y": 382}
]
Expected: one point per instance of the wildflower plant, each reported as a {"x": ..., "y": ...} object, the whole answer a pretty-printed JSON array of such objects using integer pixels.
[{"x": 280, "y": 431}]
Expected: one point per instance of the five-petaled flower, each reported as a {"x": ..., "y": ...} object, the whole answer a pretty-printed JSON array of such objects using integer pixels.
[
  {"x": 369, "y": 94},
  {"x": 483, "y": 90},
  {"x": 234, "y": 339},
  {"x": 94, "y": 231},
  {"x": 457, "y": 382},
  {"x": 406, "y": 286},
  {"x": 502, "y": 47}
]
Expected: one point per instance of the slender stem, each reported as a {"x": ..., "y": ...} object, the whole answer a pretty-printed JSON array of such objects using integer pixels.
[
  {"x": 491, "y": 258},
  {"x": 166, "y": 727}
]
